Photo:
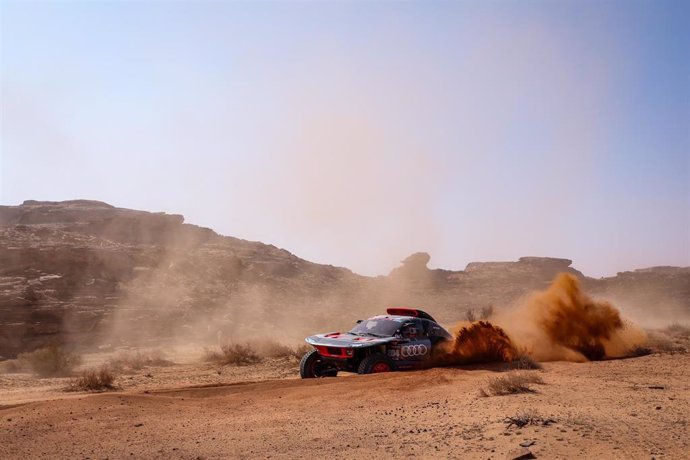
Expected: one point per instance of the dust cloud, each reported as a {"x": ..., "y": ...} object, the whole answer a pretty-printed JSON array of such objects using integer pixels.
[
  {"x": 480, "y": 342},
  {"x": 560, "y": 323}
]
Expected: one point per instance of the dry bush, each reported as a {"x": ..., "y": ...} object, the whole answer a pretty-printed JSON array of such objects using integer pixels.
[
  {"x": 486, "y": 312},
  {"x": 134, "y": 361},
  {"x": 101, "y": 379},
  {"x": 273, "y": 349},
  {"x": 526, "y": 363},
  {"x": 470, "y": 316},
  {"x": 49, "y": 361},
  {"x": 302, "y": 349},
  {"x": 254, "y": 352},
  {"x": 528, "y": 417},
  {"x": 234, "y": 353},
  {"x": 512, "y": 383}
]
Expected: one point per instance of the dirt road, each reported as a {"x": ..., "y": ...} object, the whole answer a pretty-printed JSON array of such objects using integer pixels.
[{"x": 635, "y": 408}]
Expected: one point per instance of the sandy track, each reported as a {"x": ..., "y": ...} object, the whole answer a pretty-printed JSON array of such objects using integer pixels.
[{"x": 602, "y": 409}]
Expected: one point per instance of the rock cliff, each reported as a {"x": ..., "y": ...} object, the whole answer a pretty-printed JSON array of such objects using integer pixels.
[{"x": 89, "y": 273}]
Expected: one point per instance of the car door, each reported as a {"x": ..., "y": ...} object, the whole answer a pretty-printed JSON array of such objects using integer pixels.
[{"x": 415, "y": 346}]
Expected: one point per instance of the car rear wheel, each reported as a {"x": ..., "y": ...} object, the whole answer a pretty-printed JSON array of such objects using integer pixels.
[
  {"x": 374, "y": 364},
  {"x": 313, "y": 366}
]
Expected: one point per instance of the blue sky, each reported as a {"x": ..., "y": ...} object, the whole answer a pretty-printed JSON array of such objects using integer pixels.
[{"x": 355, "y": 133}]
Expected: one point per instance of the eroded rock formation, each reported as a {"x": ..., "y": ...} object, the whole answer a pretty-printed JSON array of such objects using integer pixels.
[{"x": 88, "y": 273}]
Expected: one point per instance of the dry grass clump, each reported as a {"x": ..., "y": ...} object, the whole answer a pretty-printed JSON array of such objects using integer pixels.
[
  {"x": 253, "y": 352},
  {"x": 272, "y": 349},
  {"x": 526, "y": 363},
  {"x": 136, "y": 360},
  {"x": 528, "y": 417},
  {"x": 512, "y": 383},
  {"x": 49, "y": 361},
  {"x": 470, "y": 316},
  {"x": 484, "y": 314},
  {"x": 301, "y": 350},
  {"x": 234, "y": 353},
  {"x": 101, "y": 379}
]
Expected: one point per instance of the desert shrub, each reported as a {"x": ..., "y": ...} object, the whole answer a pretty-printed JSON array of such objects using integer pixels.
[
  {"x": 511, "y": 383},
  {"x": 273, "y": 349},
  {"x": 132, "y": 361},
  {"x": 525, "y": 362},
  {"x": 470, "y": 316},
  {"x": 486, "y": 312},
  {"x": 254, "y": 351},
  {"x": 49, "y": 361},
  {"x": 101, "y": 379},
  {"x": 234, "y": 353},
  {"x": 528, "y": 417},
  {"x": 302, "y": 349}
]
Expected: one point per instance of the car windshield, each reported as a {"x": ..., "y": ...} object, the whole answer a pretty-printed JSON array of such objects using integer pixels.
[{"x": 377, "y": 327}]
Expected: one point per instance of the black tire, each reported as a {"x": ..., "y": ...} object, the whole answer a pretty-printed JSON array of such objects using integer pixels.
[
  {"x": 312, "y": 366},
  {"x": 375, "y": 363}
]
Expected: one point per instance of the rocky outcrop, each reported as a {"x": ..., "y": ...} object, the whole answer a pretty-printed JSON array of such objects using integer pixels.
[
  {"x": 414, "y": 265},
  {"x": 85, "y": 271},
  {"x": 657, "y": 295},
  {"x": 91, "y": 274}
]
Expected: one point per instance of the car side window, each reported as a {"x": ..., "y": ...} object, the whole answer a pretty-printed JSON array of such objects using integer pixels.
[
  {"x": 426, "y": 325},
  {"x": 437, "y": 332},
  {"x": 415, "y": 329},
  {"x": 407, "y": 330},
  {"x": 422, "y": 329}
]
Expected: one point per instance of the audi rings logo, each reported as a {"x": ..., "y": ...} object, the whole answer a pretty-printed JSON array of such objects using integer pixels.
[{"x": 413, "y": 350}]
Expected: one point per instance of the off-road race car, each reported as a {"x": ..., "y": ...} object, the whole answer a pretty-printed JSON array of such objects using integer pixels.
[{"x": 405, "y": 338}]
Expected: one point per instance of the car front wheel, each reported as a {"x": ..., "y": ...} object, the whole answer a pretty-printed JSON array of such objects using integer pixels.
[
  {"x": 374, "y": 364},
  {"x": 312, "y": 366}
]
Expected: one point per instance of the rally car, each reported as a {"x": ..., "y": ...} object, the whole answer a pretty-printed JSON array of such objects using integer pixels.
[{"x": 404, "y": 338}]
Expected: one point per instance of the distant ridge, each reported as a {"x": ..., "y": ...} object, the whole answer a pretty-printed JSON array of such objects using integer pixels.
[{"x": 85, "y": 272}]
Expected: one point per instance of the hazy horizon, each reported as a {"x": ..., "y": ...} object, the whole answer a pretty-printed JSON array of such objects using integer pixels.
[{"x": 355, "y": 134}]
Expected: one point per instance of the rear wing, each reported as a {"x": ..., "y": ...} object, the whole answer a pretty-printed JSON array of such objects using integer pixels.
[{"x": 401, "y": 311}]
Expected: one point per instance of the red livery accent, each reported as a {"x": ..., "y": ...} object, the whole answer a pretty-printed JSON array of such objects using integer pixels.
[
  {"x": 380, "y": 367},
  {"x": 334, "y": 352},
  {"x": 403, "y": 311}
]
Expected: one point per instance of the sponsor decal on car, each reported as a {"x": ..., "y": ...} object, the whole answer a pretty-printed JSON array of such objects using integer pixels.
[
  {"x": 394, "y": 353},
  {"x": 408, "y": 351}
]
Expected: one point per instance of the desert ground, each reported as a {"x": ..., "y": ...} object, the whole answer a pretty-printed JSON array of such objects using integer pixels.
[{"x": 625, "y": 408}]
